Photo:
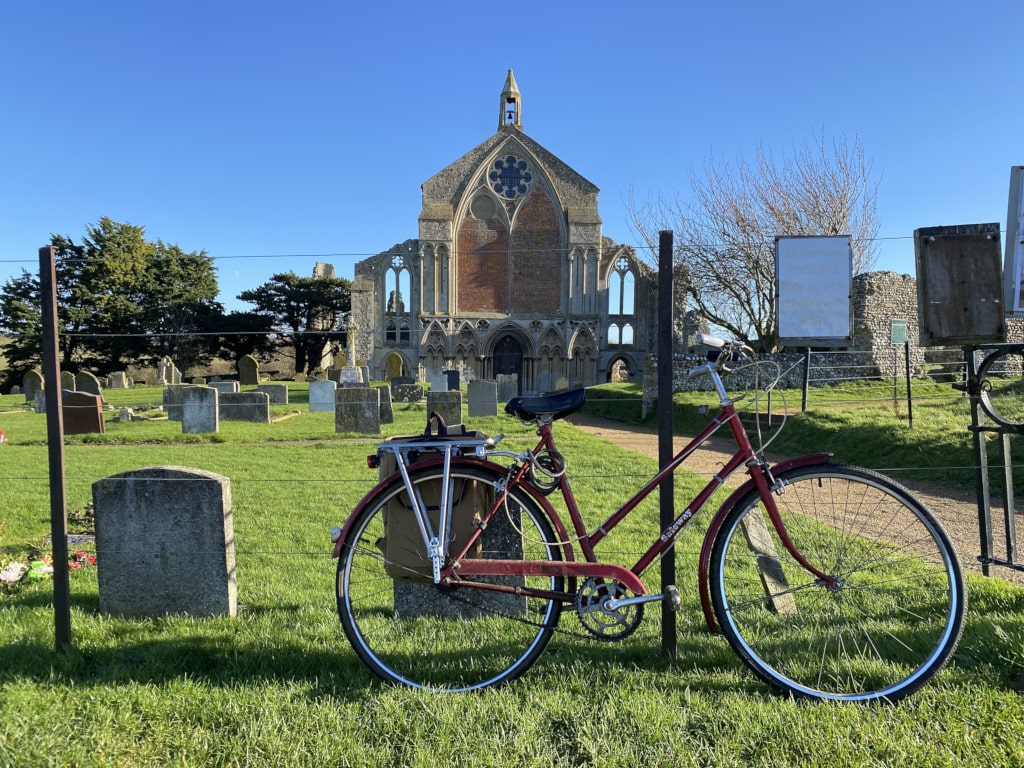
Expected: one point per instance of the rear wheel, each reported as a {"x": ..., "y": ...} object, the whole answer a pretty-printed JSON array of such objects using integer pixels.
[
  {"x": 892, "y": 613},
  {"x": 412, "y": 632}
]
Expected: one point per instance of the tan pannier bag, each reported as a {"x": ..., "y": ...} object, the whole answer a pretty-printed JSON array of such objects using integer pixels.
[{"x": 404, "y": 551}]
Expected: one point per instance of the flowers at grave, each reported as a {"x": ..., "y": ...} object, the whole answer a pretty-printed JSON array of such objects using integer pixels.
[
  {"x": 81, "y": 558},
  {"x": 13, "y": 573},
  {"x": 41, "y": 568},
  {"x": 3, "y": 437}
]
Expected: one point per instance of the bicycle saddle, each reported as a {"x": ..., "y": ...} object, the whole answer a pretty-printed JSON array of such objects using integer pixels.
[{"x": 556, "y": 406}]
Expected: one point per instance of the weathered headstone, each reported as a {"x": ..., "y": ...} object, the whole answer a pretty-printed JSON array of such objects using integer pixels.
[
  {"x": 67, "y": 381},
  {"x": 167, "y": 538},
  {"x": 357, "y": 409},
  {"x": 225, "y": 386},
  {"x": 364, "y": 374},
  {"x": 350, "y": 376},
  {"x": 408, "y": 393},
  {"x": 165, "y": 372},
  {"x": 118, "y": 380},
  {"x": 321, "y": 396},
  {"x": 83, "y": 413},
  {"x": 482, "y": 395},
  {"x": 299, "y": 377},
  {"x": 39, "y": 404},
  {"x": 453, "y": 379},
  {"x": 561, "y": 383},
  {"x": 88, "y": 383},
  {"x": 447, "y": 404},
  {"x": 398, "y": 381},
  {"x": 508, "y": 386},
  {"x": 173, "y": 397},
  {"x": 199, "y": 413},
  {"x": 245, "y": 406},
  {"x": 438, "y": 382},
  {"x": 31, "y": 383},
  {"x": 387, "y": 411},
  {"x": 199, "y": 381},
  {"x": 278, "y": 393},
  {"x": 248, "y": 371}
]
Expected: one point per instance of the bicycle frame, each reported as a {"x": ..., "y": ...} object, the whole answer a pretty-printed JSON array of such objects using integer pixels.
[{"x": 760, "y": 479}]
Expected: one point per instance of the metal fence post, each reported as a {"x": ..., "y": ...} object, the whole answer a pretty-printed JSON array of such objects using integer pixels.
[{"x": 55, "y": 449}]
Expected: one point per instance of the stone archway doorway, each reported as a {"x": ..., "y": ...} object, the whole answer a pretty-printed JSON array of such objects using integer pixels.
[{"x": 508, "y": 359}]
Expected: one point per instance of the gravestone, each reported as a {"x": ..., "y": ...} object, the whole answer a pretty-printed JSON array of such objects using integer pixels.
[
  {"x": 67, "y": 381},
  {"x": 408, "y": 393},
  {"x": 249, "y": 406},
  {"x": 387, "y": 411},
  {"x": 173, "y": 397},
  {"x": 199, "y": 413},
  {"x": 83, "y": 413},
  {"x": 453, "y": 379},
  {"x": 39, "y": 404},
  {"x": 167, "y": 538},
  {"x": 398, "y": 381},
  {"x": 117, "y": 380},
  {"x": 199, "y": 381},
  {"x": 248, "y": 371},
  {"x": 31, "y": 383},
  {"x": 357, "y": 409},
  {"x": 482, "y": 396},
  {"x": 561, "y": 383},
  {"x": 89, "y": 383},
  {"x": 299, "y": 377},
  {"x": 364, "y": 374},
  {"x": 278, "y": 393},
  {"x": 223, "y": 387},
  {"x": 508, "y": 386},
  {"x": 350, "y": 376},
  {"x": 447, "y": 404},
  {"x": 321, "y": 396},
  {"x": 438, "y": 382}
]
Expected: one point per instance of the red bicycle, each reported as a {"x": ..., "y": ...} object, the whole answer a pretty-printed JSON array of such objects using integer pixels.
[{"x": 829, "y": 581}]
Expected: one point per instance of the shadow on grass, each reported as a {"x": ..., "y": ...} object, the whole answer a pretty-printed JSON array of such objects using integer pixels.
[{"x": 214, "y": 661}]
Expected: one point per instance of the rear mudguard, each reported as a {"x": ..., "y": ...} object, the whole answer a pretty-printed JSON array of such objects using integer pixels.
[{"x": 704, "y": 565}]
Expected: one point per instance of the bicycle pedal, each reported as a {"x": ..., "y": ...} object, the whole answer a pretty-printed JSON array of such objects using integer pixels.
[{"x": 671, "y": 597}]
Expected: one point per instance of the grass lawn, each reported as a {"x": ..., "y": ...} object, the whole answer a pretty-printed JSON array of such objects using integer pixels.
[{"x": 279, "y": 686}]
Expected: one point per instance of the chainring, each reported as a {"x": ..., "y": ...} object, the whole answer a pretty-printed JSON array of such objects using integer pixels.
[{"x": 599, "y": 620}]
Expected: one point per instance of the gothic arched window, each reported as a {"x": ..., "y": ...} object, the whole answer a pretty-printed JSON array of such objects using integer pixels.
[
  {"x": 621, "y": 303},
  {"x": 396, "y": 308}
]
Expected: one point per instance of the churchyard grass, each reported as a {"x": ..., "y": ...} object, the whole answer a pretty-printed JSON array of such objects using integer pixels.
[{"x": 279, "y": 686}]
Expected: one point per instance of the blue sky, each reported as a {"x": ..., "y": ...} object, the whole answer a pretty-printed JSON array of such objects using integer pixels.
[{"x": 273, "y": 135}]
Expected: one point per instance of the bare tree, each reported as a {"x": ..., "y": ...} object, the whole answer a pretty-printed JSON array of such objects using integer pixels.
[{"x": 725, "y": 236}]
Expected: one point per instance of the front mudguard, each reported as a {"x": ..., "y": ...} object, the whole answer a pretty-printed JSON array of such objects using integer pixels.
[{"x": 704, "y": 564}]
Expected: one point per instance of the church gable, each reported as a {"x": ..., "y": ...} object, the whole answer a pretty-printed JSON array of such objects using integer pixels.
[{"x": 510, "y": 277}]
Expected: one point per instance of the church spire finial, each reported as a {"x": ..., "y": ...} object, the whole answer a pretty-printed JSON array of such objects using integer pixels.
[{"x": 511, "y": 111}]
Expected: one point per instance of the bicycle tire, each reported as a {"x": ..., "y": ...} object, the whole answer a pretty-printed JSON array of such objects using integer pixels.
[
  {"x": 888, "y": 626},
  {"x": 451, "y": 638}
]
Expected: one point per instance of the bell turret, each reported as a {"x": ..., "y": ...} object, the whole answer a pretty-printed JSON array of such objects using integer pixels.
[{"x": 511, "y": 112}]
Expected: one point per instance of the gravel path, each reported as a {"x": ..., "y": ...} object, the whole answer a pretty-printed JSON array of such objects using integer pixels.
[{"x": 955, "y": 508}]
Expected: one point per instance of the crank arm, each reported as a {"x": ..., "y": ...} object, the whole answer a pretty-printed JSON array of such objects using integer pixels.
[{"x": 670, "y": 596}]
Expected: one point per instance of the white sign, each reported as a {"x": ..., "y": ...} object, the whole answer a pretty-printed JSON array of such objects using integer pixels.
[
  {"x": 1013, "y": 268},
  {"x": 813, "y": 277}
]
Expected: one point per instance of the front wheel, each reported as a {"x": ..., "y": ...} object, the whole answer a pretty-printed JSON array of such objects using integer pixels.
[
  {"x": 410, "y": 631},
  {"x": 888, "y": 618}
]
